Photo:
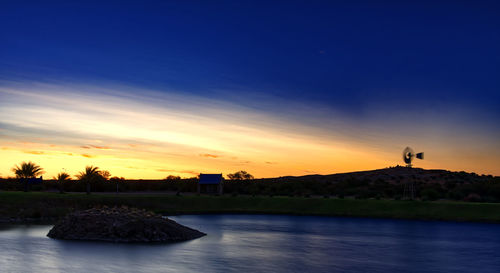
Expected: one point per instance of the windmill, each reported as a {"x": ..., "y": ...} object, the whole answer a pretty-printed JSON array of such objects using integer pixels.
[
  {"x": 409, "y": 187},
  {"x": 409, "y": 155}
]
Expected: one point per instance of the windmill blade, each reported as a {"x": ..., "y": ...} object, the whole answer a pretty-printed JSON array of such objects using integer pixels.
[{"x": 408, "y": 155}]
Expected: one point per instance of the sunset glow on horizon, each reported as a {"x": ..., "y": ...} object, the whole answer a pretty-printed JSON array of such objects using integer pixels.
[{"x": 148, "y": 134}]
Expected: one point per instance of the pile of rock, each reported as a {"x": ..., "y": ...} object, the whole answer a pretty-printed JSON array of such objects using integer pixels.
[{"x": 123, "y": 224}]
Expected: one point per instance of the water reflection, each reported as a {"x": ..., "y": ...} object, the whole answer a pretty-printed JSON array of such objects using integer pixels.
[{"x": 265, "y": 243}]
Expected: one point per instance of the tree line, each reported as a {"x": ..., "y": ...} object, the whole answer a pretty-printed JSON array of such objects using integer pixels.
[
  {"x": 456, "y": 186},
  {"x": 93, "y": 176}
]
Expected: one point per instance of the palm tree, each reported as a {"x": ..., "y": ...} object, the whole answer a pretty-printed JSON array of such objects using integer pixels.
[
  {"x": 27, "y": 170},
  {"x": 90, "y": 174},
  {"x": 61, "y": 177}
]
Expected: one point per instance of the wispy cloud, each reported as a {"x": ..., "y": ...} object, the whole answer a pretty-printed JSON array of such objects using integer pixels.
[
  {"x": 210, "y": 155},
  {"x": 178, "y": 171},
  {"x": 119, "y": 127},
  {"x": 95, "y": 147},
  {"x": 35, "y": 152}
]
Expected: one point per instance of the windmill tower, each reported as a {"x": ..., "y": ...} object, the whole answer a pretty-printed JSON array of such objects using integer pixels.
[{"x": 409, "y": 187}]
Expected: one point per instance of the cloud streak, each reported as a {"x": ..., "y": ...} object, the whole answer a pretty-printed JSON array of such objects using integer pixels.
[
  {"x": 122, "y": 125},
  {"x": 210, "y": 155},
  {"x": 35, "y": 152}
]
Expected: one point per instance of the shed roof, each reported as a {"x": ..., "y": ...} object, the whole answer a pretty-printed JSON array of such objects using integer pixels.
[{"x": 210, "y": 178}]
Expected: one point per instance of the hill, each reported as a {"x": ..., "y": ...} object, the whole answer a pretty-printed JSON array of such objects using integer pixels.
[
  {"x": 395, "y": 175},
  {"x": 390, "y": 183}
]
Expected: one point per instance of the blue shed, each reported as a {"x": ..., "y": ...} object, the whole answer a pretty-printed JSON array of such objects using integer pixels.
[
  {"x": 210, "y": 183},
  {"x": 35, "y": 180}
]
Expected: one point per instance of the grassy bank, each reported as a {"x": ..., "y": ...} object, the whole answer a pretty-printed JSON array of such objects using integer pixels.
[{"x": 41, "y": 205}]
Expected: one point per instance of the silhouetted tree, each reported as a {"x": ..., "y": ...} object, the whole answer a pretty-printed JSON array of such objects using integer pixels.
[
  {"x": 90, "y": 175},
  {"x": 27, "y": 170},
  {"x": 173, "y": 177},
  {"x": 241, "y": 175},
  {"x": 117, "y": 181},
  {"x": 61, "y": 178},
  {"x": 105, "y": 174}
]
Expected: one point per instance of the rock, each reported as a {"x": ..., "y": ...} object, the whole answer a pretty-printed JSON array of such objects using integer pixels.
[{"x": 124, "y": 225}]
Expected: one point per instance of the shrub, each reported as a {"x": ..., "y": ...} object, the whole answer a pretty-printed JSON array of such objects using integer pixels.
[
  {"x": 473, "y": 197},
  {"x": 430, "y": 194}
]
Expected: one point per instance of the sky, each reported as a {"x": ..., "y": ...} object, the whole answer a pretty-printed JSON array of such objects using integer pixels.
[{"x": 147, "y": 89}]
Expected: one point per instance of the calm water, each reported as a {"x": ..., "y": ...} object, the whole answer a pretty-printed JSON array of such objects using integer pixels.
[{"x": 269, "y": 243}]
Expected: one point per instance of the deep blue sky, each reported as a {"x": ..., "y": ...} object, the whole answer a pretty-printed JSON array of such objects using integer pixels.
[{"x": 344, "y": 54}]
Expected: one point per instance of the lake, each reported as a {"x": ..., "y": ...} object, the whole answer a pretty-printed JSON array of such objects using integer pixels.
[{"x": 269, "y": 243}]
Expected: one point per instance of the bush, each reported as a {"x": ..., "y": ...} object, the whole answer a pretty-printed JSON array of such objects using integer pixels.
[
  {"x": 456, "y": 194},
  {"x": 430, "y": 194},
  {"x": 489, "y": 199},
  {"x": 473, "y": 197}
]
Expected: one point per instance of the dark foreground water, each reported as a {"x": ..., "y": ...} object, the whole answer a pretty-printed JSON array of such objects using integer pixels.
[{"x": 269, "y": 243}]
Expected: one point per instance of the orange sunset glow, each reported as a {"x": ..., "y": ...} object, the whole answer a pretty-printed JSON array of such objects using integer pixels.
[{"x": 150, "y": 135}]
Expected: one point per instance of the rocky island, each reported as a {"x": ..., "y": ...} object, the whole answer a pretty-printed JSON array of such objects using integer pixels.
[{"x": 121, "y": 224}]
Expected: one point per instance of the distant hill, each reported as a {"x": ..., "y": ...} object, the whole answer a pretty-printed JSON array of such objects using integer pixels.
[
  {"x": 395, "y": 175},
  {"x": 388, "y": 183}
]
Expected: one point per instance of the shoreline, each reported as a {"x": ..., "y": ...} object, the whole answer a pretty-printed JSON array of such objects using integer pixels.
[
  {"x": 53, "y": 221},
  {"x": 48, "y": 208}
]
